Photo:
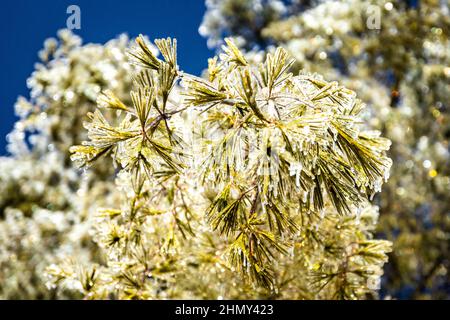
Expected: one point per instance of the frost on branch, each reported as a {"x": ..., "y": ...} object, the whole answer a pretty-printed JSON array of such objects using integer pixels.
[{"x": 254, "y": 170}]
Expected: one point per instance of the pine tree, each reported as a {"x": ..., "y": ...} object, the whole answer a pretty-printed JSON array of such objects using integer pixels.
[{"x": 250, "y": 183}]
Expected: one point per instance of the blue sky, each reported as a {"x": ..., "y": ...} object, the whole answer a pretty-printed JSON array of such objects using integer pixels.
[{"x": 25, "y": 24}]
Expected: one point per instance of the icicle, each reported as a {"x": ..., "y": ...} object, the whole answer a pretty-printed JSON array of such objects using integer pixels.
[
  {"x": 291, "y": 251},
  {"x": 386, "y": 175},
  {"x": 377, "y": 185},
  {"x": 304, "y": 196},
  {"x": 296, "y": 169},
  {"x": 322, "y": 213}
]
